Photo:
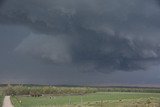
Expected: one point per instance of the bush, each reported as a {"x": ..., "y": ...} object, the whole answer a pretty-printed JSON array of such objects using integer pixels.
[
  {"x": 9, "y": 91},
  {"x": 39, "y": 91}
]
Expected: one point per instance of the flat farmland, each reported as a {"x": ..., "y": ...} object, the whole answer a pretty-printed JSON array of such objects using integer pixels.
[{"x": 98, "y": 99}]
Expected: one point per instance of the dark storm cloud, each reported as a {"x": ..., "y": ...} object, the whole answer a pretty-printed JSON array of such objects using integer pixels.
[
  {"x": 1, "y": 2},
  {"x": 158, "y": 1},
  {"x": 92, "y": 35}
]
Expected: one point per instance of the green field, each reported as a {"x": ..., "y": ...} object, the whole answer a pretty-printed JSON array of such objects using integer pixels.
[
  {"x": 1, "y": 97},
  {"x": 1, "y": 101},
  {"x": 99, "y": 99}
]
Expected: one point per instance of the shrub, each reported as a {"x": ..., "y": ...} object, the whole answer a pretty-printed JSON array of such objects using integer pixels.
[
  {"x": 10, "y": 91},
  {"x": 39, "y": 91}
]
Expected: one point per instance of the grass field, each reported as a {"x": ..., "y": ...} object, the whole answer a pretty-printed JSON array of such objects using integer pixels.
[
  {"x": 99, "y": 99},
  {"x": 1, "y": 97},
  {"x": 1, "y": 100}
]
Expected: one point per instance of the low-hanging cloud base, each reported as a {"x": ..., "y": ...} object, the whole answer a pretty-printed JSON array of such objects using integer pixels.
[{"x": 88, "y": 35}]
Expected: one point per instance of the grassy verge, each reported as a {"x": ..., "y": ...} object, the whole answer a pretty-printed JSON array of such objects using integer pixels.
[
  {"x": 99, "y": 99},
  {"x": 1, "y": 97},
  {"x": 1, "y": 101}
]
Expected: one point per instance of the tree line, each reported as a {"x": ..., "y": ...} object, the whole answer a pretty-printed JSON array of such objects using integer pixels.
[
  {"x": 52, "y": 90},
  {"x": 43, "y": 90}
]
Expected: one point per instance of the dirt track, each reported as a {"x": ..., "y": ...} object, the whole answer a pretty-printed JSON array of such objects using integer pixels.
[{"x": 7, "y": 102}]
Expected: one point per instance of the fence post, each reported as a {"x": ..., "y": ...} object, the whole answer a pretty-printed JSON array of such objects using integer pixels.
[
  {"x": 69, "y": 101},
  {"x": 101, "y": 103},
  {"x": 81, "y": 101}
]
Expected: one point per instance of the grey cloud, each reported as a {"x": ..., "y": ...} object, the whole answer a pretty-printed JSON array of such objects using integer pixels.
[
  {"x": 1, "y": 2},
  {"x": 93, "y": 35},
  {"x": 46, "y": 47},
  {"x": 38, "y": 15},
  {"x": 61, "y": 16},
  {"x": 113, "y": 52}
]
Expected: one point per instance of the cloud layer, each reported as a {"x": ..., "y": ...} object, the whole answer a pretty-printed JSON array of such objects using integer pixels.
[{"x": 93, "y": 35}]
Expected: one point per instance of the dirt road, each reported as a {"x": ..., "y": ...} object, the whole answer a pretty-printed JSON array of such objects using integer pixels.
[{"x": 7, "y": 102}]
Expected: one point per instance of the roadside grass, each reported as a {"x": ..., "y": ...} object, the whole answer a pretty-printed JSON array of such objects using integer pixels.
[
  {"x": 1, "y": 97},
  {"x": 1, "y": 100},
  {"x": 99, "y": 99}
]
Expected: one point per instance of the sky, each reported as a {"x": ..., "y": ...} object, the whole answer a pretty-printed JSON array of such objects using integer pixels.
[{"x": 80, "y": 42}]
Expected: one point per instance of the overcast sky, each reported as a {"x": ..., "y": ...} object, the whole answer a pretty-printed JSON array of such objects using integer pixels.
[{"x": 80, "y": 42}]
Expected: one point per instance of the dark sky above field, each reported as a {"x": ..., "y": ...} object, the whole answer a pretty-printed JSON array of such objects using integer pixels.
[{"x": 90, "y": 42}]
